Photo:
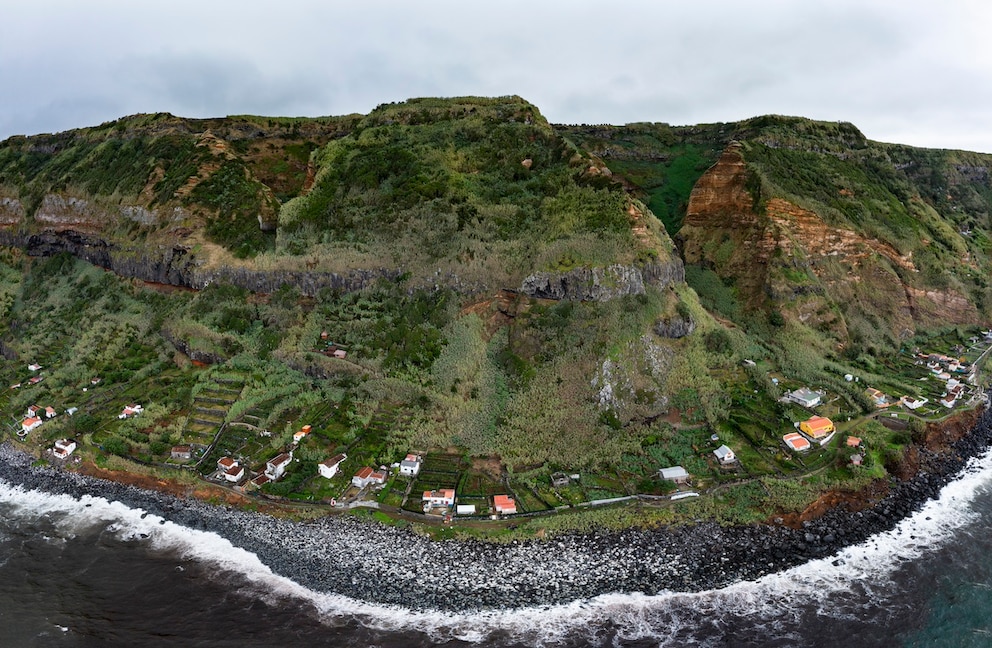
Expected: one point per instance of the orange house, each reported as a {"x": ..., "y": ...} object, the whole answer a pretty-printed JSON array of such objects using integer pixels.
[
  {"x": 817, "y": 427},
  {"x": 504, "y": 504}
]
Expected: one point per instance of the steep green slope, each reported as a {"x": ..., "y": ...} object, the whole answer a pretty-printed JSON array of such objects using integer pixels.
[
  {"x": 660, "y": 163},
  {"x": 502, "y": 292},
  {"x": 159, "y": 177},
  {"x": 477, "y": 189},
  {"x": 862, "y": 242}
]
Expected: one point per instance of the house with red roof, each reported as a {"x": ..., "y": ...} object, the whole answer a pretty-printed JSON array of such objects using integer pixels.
[
  {"x": 329, "y": 467},
  {"x": 796, "y": 442},
  {"x": 362, "y": 478},
  {"x": 225, "y": 462},
  {"x": 63, "y": 448},
  {"x": 235, "y": 473},
  {"x": 276, "y": 466},
  {"x": 444, "y": 498},
  {"x": 914, "y": 403},
  {"x": 49, "y": 412},
  {"x": 30, "y": 423},
  {"x": 504, "y": 505},
  {"x": 878, "y": 398},
  {"x": 301, "y": 433},
  {"x": 410, "y": 466},
  {"x": 131, "y": 410}
]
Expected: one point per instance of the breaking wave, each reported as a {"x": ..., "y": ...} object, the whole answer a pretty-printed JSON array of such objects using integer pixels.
[{"x": 837, "y": 587}]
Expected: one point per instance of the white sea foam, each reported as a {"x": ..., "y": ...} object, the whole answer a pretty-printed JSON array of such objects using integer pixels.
[{"x": 865, "y": 568}]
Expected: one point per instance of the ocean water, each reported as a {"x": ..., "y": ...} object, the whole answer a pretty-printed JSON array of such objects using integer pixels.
[{"x": 92, "y": 572}]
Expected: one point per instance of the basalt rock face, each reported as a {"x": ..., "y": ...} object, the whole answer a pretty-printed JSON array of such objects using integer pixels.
[
  {"x": 602, "y": 283},
  {"x": 166, "y": 265},
  {"x": 11, "y": 211},
  {"x": 675, "y": 327},
  {"x": 309, "y": 283},
  {"x": 178, "y": 266}
]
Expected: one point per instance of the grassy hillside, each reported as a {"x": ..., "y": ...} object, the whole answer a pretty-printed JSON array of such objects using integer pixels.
[
  {"x": 812, "y": 253},
  {"x": 222, "y": 176},
  {"x": 476, "y": 188}
]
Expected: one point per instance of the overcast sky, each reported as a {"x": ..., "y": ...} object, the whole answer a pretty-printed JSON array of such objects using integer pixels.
[{"x": 905, "y": 71}]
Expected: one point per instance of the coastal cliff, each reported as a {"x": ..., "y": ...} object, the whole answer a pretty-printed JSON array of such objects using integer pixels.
[{"x": 460, "y": 279}]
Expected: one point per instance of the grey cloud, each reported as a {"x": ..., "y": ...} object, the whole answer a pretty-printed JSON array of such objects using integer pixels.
[{"x": 894, "y": 68}]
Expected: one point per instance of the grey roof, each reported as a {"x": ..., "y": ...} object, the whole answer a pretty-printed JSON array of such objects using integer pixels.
[{"x": 675, "y": 472}]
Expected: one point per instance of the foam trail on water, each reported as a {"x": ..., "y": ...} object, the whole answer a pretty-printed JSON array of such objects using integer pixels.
[{"x": 865, "y": 568}]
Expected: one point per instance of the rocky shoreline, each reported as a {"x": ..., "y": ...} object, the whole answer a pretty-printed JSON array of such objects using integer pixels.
[{"x": 382, "y": 564}]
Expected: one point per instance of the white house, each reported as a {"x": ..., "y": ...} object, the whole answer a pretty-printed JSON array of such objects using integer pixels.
[
  {"x": 235, "y": 473},
  {"x": 63, "y": 448},
  {"x": 301, "y": 433},
  {"x": 49, "y": 412},
  {"x": 410, "y": 466},
  {"x": 725, "y": 455},
  {"x": 504, "y": 505},
  {"x": 329, "y": 467},
  {"x": 30, "y": 423},
  {"x": 805, "y": 397},
  {"x": 131, "y": 410},
  {"x": 677, "y": 474},
  {"x": 914, "y": 403},
  {"x": 276, "y": 466},
  {"x": 181, "y": 453},
  {"x": 465, "y": 509},
  {"x": 34, "y": 366},
  {"x": 439, "y": 498},
  {"x": 362, "y": 478}
]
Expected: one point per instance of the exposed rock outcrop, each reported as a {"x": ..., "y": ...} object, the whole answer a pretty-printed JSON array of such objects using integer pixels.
[
  {"x": 57, "y": 211},
  {"x": 308, "y": 282},
  {"x": 602, "y": 283},
  {"x": 781, "y": 256},
  {"x": 6, "y": 352},
  {"x": 177, "y": 266},
  {"x": 196, "y": 355},
  {"x": 677, "y": 326},
  {"x": 11, "y": 211}
]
